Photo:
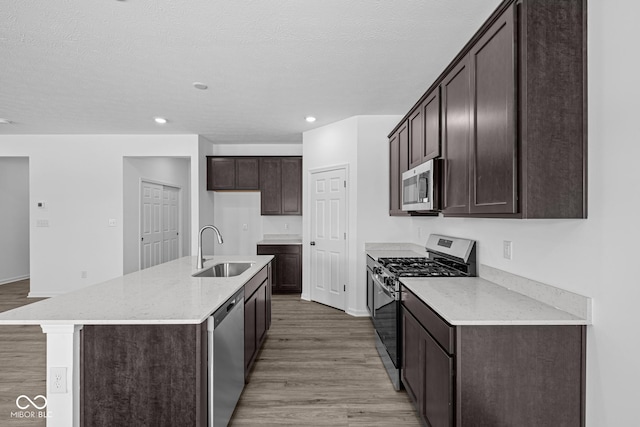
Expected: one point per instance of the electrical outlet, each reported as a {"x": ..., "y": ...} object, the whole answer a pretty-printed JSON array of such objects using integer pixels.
[
  {"x": 42, "y": 223},
  {"x": 83, "y": 274},
  {"x": 245, "y": 227},
  {"x": 507, "y": 249},
  {"x": 57, "y": 380},
  {"x": 113, "y": 222},
  {"x": 286, "y": 225}
]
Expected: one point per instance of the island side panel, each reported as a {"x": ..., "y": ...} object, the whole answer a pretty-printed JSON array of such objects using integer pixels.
[
  {"x": 520, "y": 376},
  {"x": 144, "y": 375}
]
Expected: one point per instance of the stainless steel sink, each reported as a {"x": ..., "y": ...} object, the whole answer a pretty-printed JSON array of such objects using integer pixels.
[{"x": 225, "y": 269}]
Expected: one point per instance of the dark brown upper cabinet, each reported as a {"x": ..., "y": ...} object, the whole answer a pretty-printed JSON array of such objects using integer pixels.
[
  {"x": 233, "y": 173},
  {"x": 398, "y": 163},
  {"x": 492, "y": 165},
  {"x": 479, "y": 126},
  {"x": 456, "y": 130},
  {"x": 424, "y": 130},
  {"x": 513, "y": 116},
  {"x": 281, "y": 185}
]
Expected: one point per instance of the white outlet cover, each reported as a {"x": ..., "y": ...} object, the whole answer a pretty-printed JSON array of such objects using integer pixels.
[
  {"x": 57, "y": 380},
  {"x": 507, "y": 249}
]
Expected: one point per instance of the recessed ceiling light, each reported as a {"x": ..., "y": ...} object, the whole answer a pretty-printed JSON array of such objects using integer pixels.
[
  {"x": 310, "y": 119},
  {"x": 160, "y": 120},
  {"x": 200, "y": 86},
  {"x": 5, "y": 122}
]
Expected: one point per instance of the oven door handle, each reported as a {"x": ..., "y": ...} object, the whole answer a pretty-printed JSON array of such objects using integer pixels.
[{"x": 381, "y": 285}]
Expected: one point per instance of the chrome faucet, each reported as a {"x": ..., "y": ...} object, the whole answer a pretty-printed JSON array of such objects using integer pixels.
[{"x": 200, "y": 258}]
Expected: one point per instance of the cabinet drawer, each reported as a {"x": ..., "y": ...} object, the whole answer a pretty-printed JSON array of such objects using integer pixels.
[
  {"x": 443, "y": 333},
  {"x": 252, "y": 285}
]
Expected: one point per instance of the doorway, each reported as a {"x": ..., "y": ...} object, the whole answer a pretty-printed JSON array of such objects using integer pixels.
[
  {"x": 159, "y": 224},
  {"x": 328, "y": 235},
  {"x": 15, "y": 219}
]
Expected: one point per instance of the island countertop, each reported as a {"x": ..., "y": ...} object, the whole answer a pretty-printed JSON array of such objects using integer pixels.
[{"x": 163, "y": 294}]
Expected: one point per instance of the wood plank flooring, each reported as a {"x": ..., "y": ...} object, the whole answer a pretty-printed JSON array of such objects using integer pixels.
[
  {"x": 22, "y": 358},
  {"x": 319, "y": 367}
]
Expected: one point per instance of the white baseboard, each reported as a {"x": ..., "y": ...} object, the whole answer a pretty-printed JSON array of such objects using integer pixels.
[
  {"x": 357, "y": 313},
  {"x": 43, "y": 294},
  {"x": 13, "y": 279}
]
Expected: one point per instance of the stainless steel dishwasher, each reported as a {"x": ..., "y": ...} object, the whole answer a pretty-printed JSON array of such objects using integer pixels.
[{"x": 226, "y": 359}]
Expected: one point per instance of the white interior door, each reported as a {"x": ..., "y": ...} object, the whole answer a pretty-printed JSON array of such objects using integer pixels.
[
  {"x": 170, "y": 232},
  {"x": 151, "y": 227},
  {"x": 159, "y": 224},
  {"x": 328, "y": 237}
]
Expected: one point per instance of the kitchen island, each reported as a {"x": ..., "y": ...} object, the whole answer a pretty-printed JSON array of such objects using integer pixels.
[{"x": 153, "y": 325}]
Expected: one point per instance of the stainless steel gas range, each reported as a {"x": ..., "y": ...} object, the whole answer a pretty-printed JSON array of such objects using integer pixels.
[{"x": 445, "y": 257}]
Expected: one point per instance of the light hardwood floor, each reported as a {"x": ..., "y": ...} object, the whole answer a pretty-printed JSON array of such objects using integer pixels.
[
  {"x": 319, "y": 367},
  {"x": 22, "y": 358}
]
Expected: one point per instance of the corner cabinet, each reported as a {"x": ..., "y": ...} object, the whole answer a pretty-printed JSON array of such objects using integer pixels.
[
  {"x": 491, "y": 375},
  {"x": 281, "y": 185}
]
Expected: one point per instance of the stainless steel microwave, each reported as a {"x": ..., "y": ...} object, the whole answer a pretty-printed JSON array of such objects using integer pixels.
[{"x": 419, "y": 187}]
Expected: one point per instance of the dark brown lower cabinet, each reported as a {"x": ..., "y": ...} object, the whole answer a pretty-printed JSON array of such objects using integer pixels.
[
  {"x": 427, "y": 373},
  {"x": 287, "y": 267},
  {"x": 257, "y": 315},
  {"x": 492, "y": 375},
  {"x": 153, "y": 375}
]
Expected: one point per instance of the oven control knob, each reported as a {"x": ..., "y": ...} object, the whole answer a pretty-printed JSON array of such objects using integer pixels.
[{"x": 377, "y": 270}]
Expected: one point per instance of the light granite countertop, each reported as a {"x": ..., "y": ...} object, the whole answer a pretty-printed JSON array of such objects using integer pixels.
[
  {"x": 163, "y": 294},
  {"x": 281, "y": 239},
  {"x": 476, "y": 301}
]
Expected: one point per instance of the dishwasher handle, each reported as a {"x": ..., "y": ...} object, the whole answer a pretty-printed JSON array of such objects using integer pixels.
[{"x": 228, "y": 307}]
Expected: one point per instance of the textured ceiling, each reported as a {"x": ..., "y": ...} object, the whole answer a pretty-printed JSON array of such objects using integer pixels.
[{"x": 109, "y": 67}]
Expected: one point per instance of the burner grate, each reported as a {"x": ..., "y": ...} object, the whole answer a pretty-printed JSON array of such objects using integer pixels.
[{"x": 418, "y": 267}]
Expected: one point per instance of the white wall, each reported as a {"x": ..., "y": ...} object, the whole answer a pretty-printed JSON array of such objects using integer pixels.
[
  {"x": 205, "y": 214},
  {"x": 235, "y": 209},
  {"x": 160, "y": 170},
  {"x": 14, "y": 219},
  {"x": 361, "y": 143},
  {"x": 80, "y": 177}
]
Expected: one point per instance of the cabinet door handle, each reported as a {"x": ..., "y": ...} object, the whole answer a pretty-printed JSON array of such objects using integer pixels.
[{"x": 312, "y": 243}]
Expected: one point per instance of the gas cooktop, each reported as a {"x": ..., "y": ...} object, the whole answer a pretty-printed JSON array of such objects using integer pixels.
[{"x": 417, "y": 267}]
